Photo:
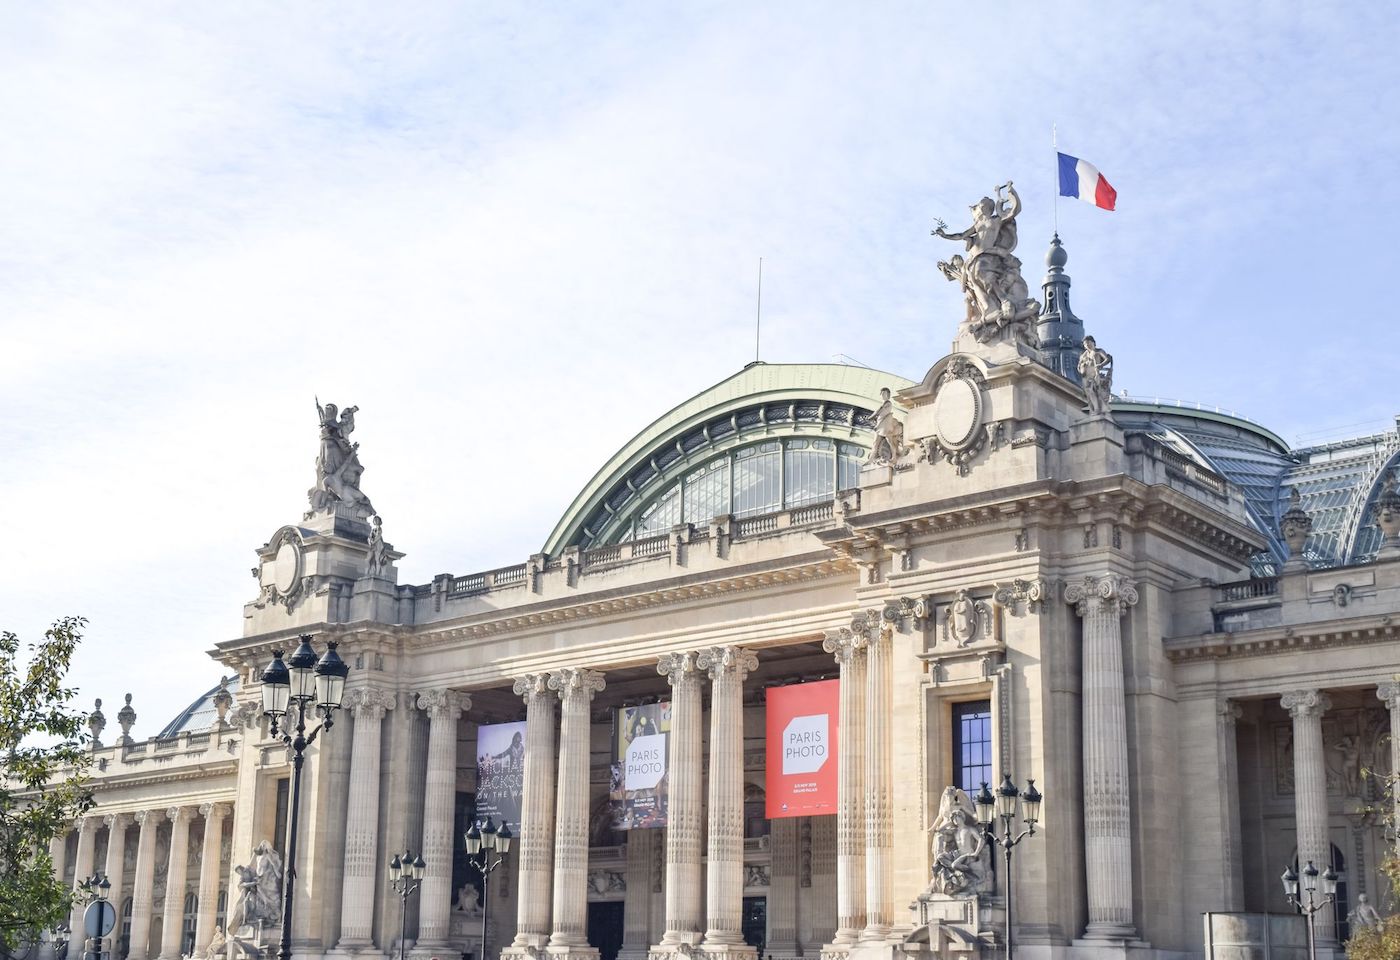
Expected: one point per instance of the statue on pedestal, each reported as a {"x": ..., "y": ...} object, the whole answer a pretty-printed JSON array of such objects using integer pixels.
[
  {"x": 889, "y": 433},
  {"x": 378, "y": 557},
  {"x": 259, "y": 902},
  {"x": 338, "y": 466},
  {"x": 998, "y": 300},
  {"x": 959, "y": 847},
  {"x": 1096, "y": 371}
]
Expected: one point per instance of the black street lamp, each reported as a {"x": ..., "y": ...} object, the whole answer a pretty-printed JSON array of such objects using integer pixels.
[
  {"x": 1003, "y": 807},
  {"x": 405, "y": 876},
  {"x": 288, "y": 689},
  {"x": 485, "y": 840},
  {"x": 96, "y": 889},
  {"x": 1329, "y": 896}
]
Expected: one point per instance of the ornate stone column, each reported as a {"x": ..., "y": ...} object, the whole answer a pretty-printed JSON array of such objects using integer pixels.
[
  {"x": 724, "y": 876},
  {"x": 82, "y": 869},
  {"x": 1390, "y": 693},
  {"x": 115, "y": 868},
  {"x": 536, "y": 863},
  {"x": 210, "y": 862},
  {"x": 1108, "y": 850},
  {"x": 1227, "y": 715},
  {"x": 1310, "y": 792},
  {"x": 444, "y": 709},
  {"x": 362, "y": 861},
  {"x": 879, "y": 786},
  {"x": 58, "y": 857},
  {"x": 576, "y": 687},
  {"x": 685, "y": 813},
  {"x": 849, "y": 649},
  {"x": 636, "y": 905},
  {"x": 142, "y": 884},
  {"x": 176, "y": 872},
  {"x": 782, "y": 889}
]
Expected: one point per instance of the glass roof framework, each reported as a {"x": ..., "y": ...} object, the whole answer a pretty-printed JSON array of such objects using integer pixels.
[
  {"x": 1338, "y": 485},
  {"x": 759, "y": 459},
  {"x": 200, "y": 715}
]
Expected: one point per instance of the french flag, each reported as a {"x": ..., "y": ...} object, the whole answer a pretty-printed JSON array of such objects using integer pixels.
[{"x": 1080, "y": 178}]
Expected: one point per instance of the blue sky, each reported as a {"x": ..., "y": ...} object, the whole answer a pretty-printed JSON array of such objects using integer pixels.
[{"x": 514, "y": 235}]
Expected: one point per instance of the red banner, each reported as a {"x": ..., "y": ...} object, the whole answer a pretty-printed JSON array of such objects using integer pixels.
[{"x": 801, "y": 749}]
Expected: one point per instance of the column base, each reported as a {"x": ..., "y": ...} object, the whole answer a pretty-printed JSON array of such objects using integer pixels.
[
  {"x": 571, "y": 952},
  {"x": 427, "y": 950},
  {"x": 1105, "y": 948},
  {"x": 728, "y": 951},
  {"x": 684, "y": 945}
]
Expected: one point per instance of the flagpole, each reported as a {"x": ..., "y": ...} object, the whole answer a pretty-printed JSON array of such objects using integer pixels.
[{"x": 1055, "y": 144}]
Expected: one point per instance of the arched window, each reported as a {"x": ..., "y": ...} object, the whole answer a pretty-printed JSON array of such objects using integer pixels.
[
  {"x": 124, "y": 947},
  {"x": 188, "y": 924}
]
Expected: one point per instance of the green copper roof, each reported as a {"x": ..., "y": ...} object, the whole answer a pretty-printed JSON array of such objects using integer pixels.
[{"x": 755, "y": 385}]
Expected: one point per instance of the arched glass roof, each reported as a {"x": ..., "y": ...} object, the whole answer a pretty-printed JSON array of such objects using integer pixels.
[
  {"x": 200, "y": 715},
  {"x": 770, "y": 437}
]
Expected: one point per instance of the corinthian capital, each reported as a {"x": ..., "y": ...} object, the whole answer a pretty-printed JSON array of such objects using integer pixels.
[
  {"x": 678, "y": 668},
  {"x": 723, "y": 660},
  {"x": 1306, "y": 703},
  {"x": 845, "y": 645},
  {"x": 153, "y": 817},
  {"x": 1112, "y": 593},
  {"x": 572, "y": 682},
  {"x": 180, "y": 815},
  {"x": 1390, "y": 693},
  {"x": 117, "y": 821},
  {"x": 444, "y": 704},
  {"x": 369, "y": 702},
  {"x": 532, "y": 687}
]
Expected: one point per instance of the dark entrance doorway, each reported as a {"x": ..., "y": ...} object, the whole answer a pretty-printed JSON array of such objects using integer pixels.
[
  {"x": 755, "y": 923},
  {"x": 605, "y": 928}
]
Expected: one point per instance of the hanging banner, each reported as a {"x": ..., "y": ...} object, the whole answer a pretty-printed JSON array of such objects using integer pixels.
[
  {"x": 500, "y": 772},
  {"x": 641, "y": 738},
  {"x": 801, "y": 749}
]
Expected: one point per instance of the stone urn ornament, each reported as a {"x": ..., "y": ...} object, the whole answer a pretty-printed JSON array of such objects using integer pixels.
[{"x": 1295, "y": 527}]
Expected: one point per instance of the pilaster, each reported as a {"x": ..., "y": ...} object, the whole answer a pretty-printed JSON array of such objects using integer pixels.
[
  {"x": 1108, "y": 852},
  {"x": 849, "y": 649},
  {"x": 879, "y": 788}
]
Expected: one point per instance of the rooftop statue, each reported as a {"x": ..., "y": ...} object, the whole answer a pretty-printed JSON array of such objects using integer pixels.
[
  {"x": 998, "y": 301},
  {"x": 1096, "y": 372},
  {"x": 338, "y": 466}
]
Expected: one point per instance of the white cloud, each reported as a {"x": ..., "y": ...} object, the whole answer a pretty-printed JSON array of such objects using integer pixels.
[{"x": 514, "y": 240}]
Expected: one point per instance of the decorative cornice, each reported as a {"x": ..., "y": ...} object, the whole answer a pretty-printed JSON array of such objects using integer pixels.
[{"x": 1273, "y": 641}]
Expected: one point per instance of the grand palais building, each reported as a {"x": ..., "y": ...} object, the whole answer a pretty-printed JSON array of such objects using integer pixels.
[{"x": 1184, "y": 630}]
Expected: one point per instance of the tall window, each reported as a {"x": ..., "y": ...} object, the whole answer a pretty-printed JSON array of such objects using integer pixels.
[
  {"x": 808, "y": 472},
  {"x": 758, "y": 479},
  {"x": 972, "y": 745},
  {"x": 124, "y": 946},
  {"x": 190, "y": 919},
  {"x": 279, "y": 829}
]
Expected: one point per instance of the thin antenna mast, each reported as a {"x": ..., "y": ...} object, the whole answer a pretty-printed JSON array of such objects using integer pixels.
[
  {"x": 1055, "y": 144},
  {"x": 758, "y": 318}
]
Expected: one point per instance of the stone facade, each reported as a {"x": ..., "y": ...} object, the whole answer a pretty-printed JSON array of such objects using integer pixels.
[{"x": 1194, "y": 728}]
